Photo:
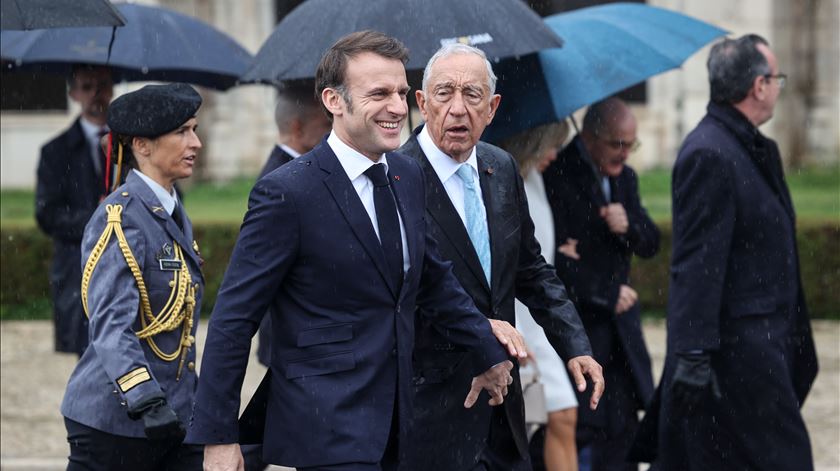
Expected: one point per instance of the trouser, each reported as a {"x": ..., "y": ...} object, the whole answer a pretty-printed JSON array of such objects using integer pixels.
[
  {"x": 501, "y": 453},
  {"x": 95, "y": 450}
]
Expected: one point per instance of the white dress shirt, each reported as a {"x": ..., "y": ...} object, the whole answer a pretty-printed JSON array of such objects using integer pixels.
[
  {"x": 295, "y": 154},
  {"x": 355, "y": 164},
  {"x": 167, "y": 199},
  {"x": 446, "y": 167}
]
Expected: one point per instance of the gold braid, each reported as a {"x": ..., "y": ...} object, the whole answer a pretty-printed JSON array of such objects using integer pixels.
[{"x": 180, "y": 306}]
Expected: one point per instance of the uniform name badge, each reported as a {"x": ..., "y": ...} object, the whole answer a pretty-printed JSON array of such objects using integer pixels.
[{"x": 170, "y": 264}]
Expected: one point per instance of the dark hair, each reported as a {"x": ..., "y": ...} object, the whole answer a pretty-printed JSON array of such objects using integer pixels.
[
  {"x": 293, "y": 102},
  {"x": 76, "y": 68},
  {"x": 333, "y": 66},
  {"x": 733, "y": 66}
]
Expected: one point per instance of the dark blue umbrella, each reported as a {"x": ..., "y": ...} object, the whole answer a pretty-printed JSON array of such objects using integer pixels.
[
  {"x": 501, "y": 28},
  {"x": 39, "y": 14},
  {"x": 608, "y": 48},
  {"x": 155, "y": 44}
]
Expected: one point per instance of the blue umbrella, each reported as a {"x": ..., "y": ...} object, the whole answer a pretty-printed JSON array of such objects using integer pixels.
[
  {"x": 608, "y": 48},
  {"x": 155, "y": 44}
]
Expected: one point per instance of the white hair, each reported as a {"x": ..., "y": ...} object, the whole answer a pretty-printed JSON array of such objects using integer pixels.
[{"x": 458, "y": 48}]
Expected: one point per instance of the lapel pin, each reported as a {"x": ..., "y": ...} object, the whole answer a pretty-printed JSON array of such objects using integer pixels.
[
  {"x": 156, "y": 209},
  {"x": 397, "y": 177}
]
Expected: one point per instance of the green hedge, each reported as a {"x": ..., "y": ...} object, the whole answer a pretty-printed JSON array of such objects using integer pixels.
[{"x": 25, "y": 255}]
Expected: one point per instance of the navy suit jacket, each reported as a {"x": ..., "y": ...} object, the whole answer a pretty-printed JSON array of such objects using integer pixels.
[
  {"x": 277, "y": 158},
  {"x": 518, "y": 271},
  {"x": 736, "y": 293},
  {"x": 342, "y": 333},
  {"x": 575, "y": 195},
  {"x": 67, "y": 193}
]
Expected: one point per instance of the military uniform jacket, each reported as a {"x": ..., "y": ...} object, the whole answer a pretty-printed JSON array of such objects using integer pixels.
[
  {"x": 120, "y": 370},
  {"x": 518, "y": 271}
]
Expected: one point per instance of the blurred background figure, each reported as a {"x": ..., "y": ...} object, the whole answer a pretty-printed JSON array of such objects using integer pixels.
[
  {"x": 599, "y": 225},
  {"x": 301, "y": 124},
  {"x": 71, "y": 183},
  {"x": 534, "y": 150}
]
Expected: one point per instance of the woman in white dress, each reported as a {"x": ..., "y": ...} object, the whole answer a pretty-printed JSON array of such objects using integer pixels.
[{"x": 534, "y": 150}]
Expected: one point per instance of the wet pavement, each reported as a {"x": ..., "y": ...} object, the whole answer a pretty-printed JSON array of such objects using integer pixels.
[{"x": 32, "y": 380}]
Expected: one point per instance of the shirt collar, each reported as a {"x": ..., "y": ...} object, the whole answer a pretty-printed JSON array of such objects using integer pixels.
[
  {"x": 168, "y": 200},
  {"x": 444, "y": 165},
  {"x": 91, "y": 130},
  {"x": 353, "y": 162},
  {"x": 295, "y": 154}
]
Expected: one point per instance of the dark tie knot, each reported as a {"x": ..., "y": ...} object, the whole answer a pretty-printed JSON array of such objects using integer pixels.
[{"x": 376, "y": 173}]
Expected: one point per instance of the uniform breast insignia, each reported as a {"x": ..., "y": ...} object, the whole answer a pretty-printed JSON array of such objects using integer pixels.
[
  {"x": 167, "y": 259},
  {"x": 198, "y": 252},
  {"x": 134, "y": 377},
  {"x": 165, "y": 252}
]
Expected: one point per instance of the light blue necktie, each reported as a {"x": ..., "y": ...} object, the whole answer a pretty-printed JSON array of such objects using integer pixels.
[{"x": 476, "y": 222}]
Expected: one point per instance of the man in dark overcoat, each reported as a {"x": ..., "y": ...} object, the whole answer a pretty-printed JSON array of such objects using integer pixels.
[
  {"x": 740, "y": 357},
  {"x": 69, "y": 187},
  {"x": 600, "y": 224}
]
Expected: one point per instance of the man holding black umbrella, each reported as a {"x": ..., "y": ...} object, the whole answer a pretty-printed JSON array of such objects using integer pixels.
[
  {"x": 477, "y": 210},
  {"x": 71, "y": 182}
]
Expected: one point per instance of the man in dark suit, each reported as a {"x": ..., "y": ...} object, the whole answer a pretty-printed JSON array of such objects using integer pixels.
[
  {"x": 301, "y": 124},
  {"x": 740, "y": 357},
  {"x": 600, "y": 225},
  {"x": 337, "y": 244},
  {"x": 70, "y": 186},
  {"x": 476, "y": 208}
]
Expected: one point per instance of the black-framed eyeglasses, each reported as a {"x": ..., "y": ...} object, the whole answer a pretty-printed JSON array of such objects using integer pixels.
[
  {"x": 618, "y": 144},
  {"x": 781, "y": 78}
]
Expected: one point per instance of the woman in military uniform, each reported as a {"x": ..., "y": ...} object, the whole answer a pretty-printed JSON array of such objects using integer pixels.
[{"x": 130, "y": 397}]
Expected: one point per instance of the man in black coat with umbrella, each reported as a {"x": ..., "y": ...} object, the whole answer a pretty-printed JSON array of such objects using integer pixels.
[
  {"x": 741, "y": 357},
  {"x": 599, "y": 225},
  {"x": 71, "y": 182}
]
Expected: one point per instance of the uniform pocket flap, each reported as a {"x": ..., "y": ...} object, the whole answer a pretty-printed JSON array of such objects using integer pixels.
[
  {"x": 322, "y": 365},
  {"x": 326, "y": 334},
  {"x": 752, "y": 305}
]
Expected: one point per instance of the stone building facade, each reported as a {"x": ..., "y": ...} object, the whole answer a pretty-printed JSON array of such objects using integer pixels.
[{"x": 238, "y": 132}]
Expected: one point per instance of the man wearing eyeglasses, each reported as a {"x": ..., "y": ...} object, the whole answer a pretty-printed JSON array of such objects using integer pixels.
[
  {"x": 741, "y": 357},
  {"x": 599, "y": 225}
]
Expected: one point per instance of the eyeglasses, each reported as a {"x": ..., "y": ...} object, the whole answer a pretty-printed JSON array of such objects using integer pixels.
[
  {"x": 781, "y": 78},
  {"x": 619, "y": 145}
]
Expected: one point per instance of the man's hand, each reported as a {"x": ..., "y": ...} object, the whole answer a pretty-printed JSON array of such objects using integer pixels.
[
  {"x": 509, "y": 337},
  {"x": 616, "y": 218},
  {"x": 627, "y": 298},
  {"x": 569, "y": 249},
  {"x": 586, "y": 365},
  {"x": 495, "y": 380},
  {"x": 224, "y": 457}
]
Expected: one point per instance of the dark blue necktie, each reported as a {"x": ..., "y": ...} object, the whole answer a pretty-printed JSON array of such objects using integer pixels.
[{"x": 388, "y": 221}]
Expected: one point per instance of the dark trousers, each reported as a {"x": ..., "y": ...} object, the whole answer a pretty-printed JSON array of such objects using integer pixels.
[
  {"x": 501, "y": 453},
  {"x": 94, "y": 450}
]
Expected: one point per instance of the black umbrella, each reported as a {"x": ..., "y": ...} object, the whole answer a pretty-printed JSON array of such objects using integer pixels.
[
  {"x": 501, "y": 28},
  {"x": 40, "y": 14},
  {"x": 155, "y": 44}
]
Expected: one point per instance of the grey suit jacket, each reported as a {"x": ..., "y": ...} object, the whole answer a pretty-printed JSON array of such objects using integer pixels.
[{"x": 119, "y": 370}]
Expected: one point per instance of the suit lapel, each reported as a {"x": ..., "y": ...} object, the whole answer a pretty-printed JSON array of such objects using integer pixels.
[
  {"x": 489, "y": 191},
  {"x": 352, "y": 209},
  {"x": 441, "y": 209}
]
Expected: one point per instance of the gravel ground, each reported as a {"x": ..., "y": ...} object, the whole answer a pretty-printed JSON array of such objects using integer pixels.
[{"x": 32, "y": 380}]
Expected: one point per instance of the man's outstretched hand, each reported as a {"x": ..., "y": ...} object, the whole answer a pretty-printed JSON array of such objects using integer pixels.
[
  {"x": 585, "y": 365},
  {"x": 495, "y": 381}
]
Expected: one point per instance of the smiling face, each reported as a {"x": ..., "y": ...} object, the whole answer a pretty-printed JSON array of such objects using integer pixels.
[
  {"x": 457, "y": 104},
  {"x": 169, "y": 157},
  {"x": 368, "y": 114}
]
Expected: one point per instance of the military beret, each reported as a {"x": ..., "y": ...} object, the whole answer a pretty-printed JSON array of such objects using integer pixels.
[{"x": 153, "y": 110}]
